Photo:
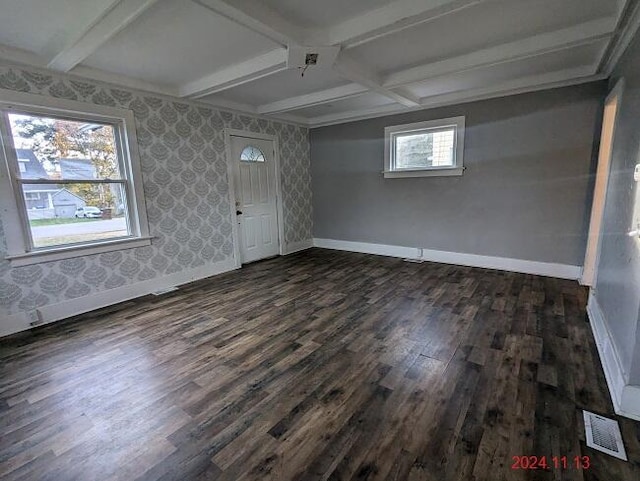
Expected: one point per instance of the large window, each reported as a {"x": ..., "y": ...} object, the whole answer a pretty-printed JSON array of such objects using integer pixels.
[
  {"x": 423, "y": 149},
  {"x": 73, "y": 173}
]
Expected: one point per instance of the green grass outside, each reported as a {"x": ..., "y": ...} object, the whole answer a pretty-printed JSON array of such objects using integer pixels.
[
  {"x": 59, "y": 220},
  {"x": 64, "y": 240}
]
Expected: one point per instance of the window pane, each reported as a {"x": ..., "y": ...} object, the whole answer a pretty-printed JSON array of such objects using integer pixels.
[
  {"x": 424, "y": 149},
  {"x": 252, "y": 154},
  {"x": 75, "y": 213},
  {"x": 50, "y": 148}
]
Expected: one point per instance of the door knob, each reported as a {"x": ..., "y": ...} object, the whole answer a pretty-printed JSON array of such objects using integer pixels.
[{"x": 238, "y": 212}]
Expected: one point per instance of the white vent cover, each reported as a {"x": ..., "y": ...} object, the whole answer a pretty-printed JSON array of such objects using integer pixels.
[{"x": 604, "y": 435}]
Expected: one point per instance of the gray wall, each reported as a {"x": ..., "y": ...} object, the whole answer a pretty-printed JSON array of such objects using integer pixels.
[
  {"x": 617, "y": 286},
  {"x": 182, "y": 152},
  {"x": 526, "y": 193}
]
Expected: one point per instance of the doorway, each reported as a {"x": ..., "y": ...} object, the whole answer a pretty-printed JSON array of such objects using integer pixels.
[
  {"x": 254, "y": 168},
  {"x": 612, "y": 102}
]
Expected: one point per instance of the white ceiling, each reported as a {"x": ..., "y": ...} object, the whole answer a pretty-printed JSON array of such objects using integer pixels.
[
  {"x": 175, "y": 42},
  {"x": 393, "y": 55}
]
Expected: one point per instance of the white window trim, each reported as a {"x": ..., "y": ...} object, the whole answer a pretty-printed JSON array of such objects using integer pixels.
[
  {"x": 13, "y": 212},
  {"x": 391, "y": 173}
]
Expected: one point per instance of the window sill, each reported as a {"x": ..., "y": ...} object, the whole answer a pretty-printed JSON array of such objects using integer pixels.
[
  {"x": 397, "y": 174},
  {"x": 61, "y": 253}
]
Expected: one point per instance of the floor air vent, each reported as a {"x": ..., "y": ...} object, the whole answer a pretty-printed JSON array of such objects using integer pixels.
[
  {"x": 604, "y": 435},
  {"x": 415, "y": 261}
]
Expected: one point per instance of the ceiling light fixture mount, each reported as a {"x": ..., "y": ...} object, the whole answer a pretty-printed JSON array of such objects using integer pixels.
[{"x": 320, "y": 57}]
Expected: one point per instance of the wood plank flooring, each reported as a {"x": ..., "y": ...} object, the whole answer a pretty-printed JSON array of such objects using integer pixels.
[{"x": 322, "y": 365}]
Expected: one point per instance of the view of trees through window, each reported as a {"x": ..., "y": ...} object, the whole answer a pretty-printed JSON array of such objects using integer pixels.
[{"x": 70, "y": 175}]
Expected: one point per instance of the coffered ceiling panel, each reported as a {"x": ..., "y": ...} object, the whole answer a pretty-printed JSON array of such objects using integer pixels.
[
  {"x": 43, "y": 26},
  {"x": 477, "y": 27},
  {"x": 540, "y": 66},
  {"x": 176, "y": 42},
  {"x": 323, "y": 13},
  {"x": 375, "y": 56}
]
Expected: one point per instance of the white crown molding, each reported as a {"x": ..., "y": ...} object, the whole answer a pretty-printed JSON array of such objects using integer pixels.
[
  {"x": 113, "y": 20},
  {"x": 561, "y": 271},
  {"x": 122, "y": 80},
  {"x": 14, "y": 55},
  {"x": 230, "y": 105},
  {"x": 54, "y": 312},
  {"x": 630, "y": 23},
  {"x": 625, "y": 397},
  {"x": 534, "y": 83}
]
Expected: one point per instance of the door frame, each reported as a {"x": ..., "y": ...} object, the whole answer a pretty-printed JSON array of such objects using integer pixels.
[
  {"x": 594, "y": 237},
  {"x": 231, "y": 178}
]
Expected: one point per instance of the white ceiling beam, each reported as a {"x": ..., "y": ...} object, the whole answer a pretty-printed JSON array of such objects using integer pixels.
[
  {"x": 238, "y": 74},
  {"x": 360, "y": 114},
  {"x": 533, "y": 83},
  {"x": 315, "y": 98},
  {"x": 388, "y": 19},
  {"x": 360, "y": 74},
  {"x": 566, "y": 38},
  {"x": 530, "y": 83},
  {"x": 113, "y": 20},
  {"x": 258, "y": 17}
]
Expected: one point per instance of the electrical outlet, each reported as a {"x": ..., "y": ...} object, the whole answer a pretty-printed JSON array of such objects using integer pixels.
[
  {"x": 311, "y": 59},
  {"x": 636, "y": 173}
]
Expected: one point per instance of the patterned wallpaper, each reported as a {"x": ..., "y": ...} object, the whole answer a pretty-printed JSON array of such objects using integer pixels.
[{"x": 182, "y": 152}]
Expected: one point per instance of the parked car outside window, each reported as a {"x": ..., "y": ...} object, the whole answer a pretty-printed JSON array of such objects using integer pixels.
[{"x": 88, "y": 212}]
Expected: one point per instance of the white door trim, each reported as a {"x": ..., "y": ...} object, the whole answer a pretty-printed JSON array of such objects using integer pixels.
[
  {"x": 228, "y": 133},
  {"x": 594, "y": 240}
]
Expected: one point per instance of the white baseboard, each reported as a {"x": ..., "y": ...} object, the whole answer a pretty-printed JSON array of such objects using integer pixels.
[
  {"x": 561, "y": 271},
  {"x": 367, "y": 248},
  {"x": 292, "y": 247},
  {"x": 549, "y": 269},
  {"x": 625, "y": 397},
  {"x": 62, "y": 310}
]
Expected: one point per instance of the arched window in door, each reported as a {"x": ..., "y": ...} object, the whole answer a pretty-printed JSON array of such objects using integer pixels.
[{"x": 251, "y": 154}]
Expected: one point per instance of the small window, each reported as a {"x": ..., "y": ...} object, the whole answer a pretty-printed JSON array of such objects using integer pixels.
[
  {"x": 252, "y": 154},
  {"x": 432, "y": 148},
  {"x": 75, "y": 179}
]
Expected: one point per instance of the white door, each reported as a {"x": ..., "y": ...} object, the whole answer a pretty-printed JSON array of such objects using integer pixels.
[
  {"x": 255, "y": 192},
  {"x": 600, "y": 190}
]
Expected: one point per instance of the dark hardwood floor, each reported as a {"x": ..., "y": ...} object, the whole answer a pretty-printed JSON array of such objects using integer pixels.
[{"x": 322, "y": 365}]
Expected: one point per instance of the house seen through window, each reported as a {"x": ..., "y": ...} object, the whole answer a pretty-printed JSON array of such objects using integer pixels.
[
  {"x": 422, "y": 149},
  {"x": 70, "y": 179}
]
